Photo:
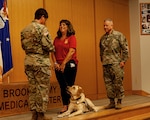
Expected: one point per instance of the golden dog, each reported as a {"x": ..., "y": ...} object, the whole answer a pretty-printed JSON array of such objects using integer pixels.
[{"x": 79, "y": 104}]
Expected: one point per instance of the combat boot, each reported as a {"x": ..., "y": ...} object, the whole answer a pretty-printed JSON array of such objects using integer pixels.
[
  {"x": 41, "y": 116},
  {"x": 111, "y": 104},
  {"x": 34, "y": 115},
  {"x": 118, "y": 106}
]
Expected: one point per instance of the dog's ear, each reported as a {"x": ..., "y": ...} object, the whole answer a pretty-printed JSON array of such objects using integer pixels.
[{"x": 80, "y": 90}]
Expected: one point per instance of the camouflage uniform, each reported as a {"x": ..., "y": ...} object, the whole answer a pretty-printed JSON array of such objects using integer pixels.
[
  {"x": 113, "y": 50},
  {"x": 37, "y": 44}
]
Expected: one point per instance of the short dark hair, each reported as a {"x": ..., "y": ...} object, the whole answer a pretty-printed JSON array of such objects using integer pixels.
[
  {"x": 40, "y": 12},
  {"x": 70, "y": 31}
]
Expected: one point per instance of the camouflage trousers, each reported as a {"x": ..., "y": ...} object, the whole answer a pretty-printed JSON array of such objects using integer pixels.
[
  {"x": 113, "y": 77},
  {"x": 39, "y": 84}
]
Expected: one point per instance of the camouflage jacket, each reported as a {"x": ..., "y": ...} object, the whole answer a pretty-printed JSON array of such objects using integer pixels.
[
  {"x": 37, "y": 44},
  {"x": 113, "y": 48}
]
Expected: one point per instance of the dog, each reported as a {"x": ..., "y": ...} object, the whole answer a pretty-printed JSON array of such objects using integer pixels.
[{"x": 79, "y": 104}]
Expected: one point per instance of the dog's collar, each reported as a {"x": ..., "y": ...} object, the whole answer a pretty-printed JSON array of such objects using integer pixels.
[{"x": 78, "y": 98}]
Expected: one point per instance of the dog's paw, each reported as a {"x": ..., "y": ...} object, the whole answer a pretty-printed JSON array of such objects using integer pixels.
[
  {"x": 97, "y": 108},
  {"x": 69, "y": 115},
  {"x": 60, "y": 116}
]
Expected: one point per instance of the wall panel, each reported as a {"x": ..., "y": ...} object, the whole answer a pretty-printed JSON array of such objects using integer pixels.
[
  {"x": 119, "y": 12},
  {"x": 83, "y": 19},
  {"x": 103, "y": 9},
  {"x": 21, "y": 13},
  {"x": 57, "y": 10},
  {"x": 121, "y": 9}
]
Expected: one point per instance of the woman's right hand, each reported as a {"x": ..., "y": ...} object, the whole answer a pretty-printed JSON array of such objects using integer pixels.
[
  {"x": 62, "y": 67},
  {"x": 57, "y": 66}
]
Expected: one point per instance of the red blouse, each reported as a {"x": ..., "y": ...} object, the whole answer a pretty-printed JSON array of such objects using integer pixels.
[{"x": 62, "y": 48}]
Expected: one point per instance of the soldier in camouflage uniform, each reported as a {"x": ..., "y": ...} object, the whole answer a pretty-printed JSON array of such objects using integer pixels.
[
  {"x": 114, "y": 53},
  {"x": 37, "y": 44}
]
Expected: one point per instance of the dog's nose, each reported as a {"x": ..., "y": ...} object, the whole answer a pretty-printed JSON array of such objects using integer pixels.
[{"x": 68, "y": 87}]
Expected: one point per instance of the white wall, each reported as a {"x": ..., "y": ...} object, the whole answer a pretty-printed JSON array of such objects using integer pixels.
[{"x": 140, "y": 49}]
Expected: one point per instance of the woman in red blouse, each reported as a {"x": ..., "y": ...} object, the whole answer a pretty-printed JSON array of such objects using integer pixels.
[{"x": 65, "y": 59}]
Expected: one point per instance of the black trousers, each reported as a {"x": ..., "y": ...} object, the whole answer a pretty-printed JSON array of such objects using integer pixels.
[{"x": 67, "y": 78}]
